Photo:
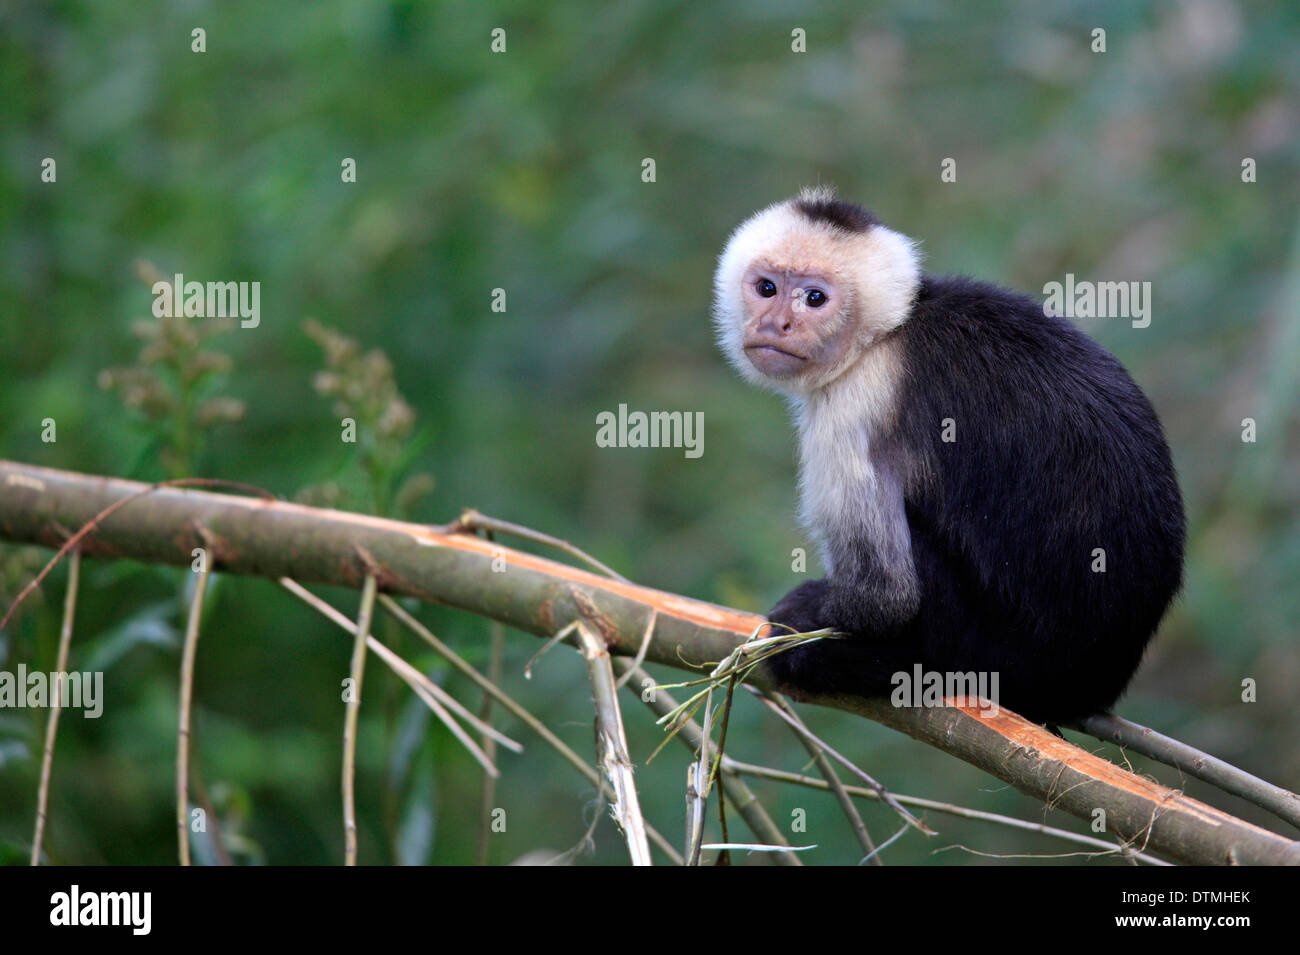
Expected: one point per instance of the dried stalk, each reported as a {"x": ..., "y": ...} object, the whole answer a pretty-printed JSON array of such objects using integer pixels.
[
  {"x": 56, "y": 705},
  {"x": 611, "y": 744},
  {"x": 733, "y": 787},
  {"x": 357, "y": 673},
  {"x": 833, "y": 781},
  {"x": 188, "y": 656}
]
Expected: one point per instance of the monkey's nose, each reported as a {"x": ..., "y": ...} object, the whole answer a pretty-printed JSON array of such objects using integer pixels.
[{"x": 776, "y": 323}]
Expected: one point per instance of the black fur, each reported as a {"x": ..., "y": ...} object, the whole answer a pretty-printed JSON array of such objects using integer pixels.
[
  {"x": 843, "y": 215},
  {"x": 1057, "y": 452}
]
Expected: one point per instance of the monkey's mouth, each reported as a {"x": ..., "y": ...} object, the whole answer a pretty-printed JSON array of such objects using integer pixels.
[{"x": 774, "y": 361}]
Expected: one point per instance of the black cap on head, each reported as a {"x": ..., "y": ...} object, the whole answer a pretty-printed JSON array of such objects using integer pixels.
[{"x": 836, "y": 212}]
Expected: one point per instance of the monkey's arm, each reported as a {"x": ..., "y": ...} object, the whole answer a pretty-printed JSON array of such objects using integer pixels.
[
  {"x": 803, "y": 609},
  {"x": 872, "y": 590},
  {"x": 867, "y": 605},
  {"x": 877, "y": 608}
]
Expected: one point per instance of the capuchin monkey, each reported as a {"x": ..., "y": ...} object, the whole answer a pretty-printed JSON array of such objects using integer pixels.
[{"x": 989, "y": 489}]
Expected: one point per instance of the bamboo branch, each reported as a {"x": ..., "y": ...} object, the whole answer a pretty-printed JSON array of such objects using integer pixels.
[
  {"x": 1114, "y": 729},
  {"x": 611, "y": 744},
  {"x": 277, "y": 539}
]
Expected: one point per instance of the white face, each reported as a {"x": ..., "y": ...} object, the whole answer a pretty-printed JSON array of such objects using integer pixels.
[
  {"x": 794, "y": 322},
  {"x": 797, "y": 303}
]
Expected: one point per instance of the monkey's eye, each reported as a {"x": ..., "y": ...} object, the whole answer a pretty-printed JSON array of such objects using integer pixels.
[
  {"x": 814, "y": 298},
  {"x": 765, "y": 287}
]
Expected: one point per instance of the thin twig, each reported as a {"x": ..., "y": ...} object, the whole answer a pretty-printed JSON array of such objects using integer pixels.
[
  {"x": 611, "y": 744},
  {"x": 697, "y": 787},
  {"x": 848, "y": 764},
  {"x": 753, "y": 847},
  {"x": 568, "y": 855},
  {"x": 473, "y": 520},
  {"x": 357, "y": 673},
  {"x": 780, "y": 775},
  {"x": 833, "y": 780},
  {"x": 645, "y": 645},
  {"x": 695, "y": 807},
  {"x": 488, "y": 784},
  {"x": 1110, "y": 850},
  {"x": 724, "y": 858},
  {"x": 886, "y": 844},
  {"x": 216, "y": 838},
  {"x": 739, "y": 663},
  {"x": 188, "y": 656},
  {"x": 527, "y": 718},
  {"x": 422, "y": 682},
  {"x": 555, "y": 639},
  {"x": 1188, "y": 759},
  {"x": 418, "y": 682},
  {"x": 435, "y": 697},
  {"x": 734, "y": 788},
  {"x": 733, "y": 668},
  {"x": 56, "y": 704},
  {"x": 487, "y": 797}
]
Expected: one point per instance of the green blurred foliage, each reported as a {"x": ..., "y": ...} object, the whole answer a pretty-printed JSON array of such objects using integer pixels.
[{"x": 522, "y": 171}]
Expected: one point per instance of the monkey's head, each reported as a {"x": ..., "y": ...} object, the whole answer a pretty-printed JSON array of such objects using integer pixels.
[{"x": 806, "y": 286}]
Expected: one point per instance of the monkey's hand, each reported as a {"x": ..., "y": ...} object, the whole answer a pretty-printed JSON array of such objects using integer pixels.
[
  {"x": 803, "y": 609},
  {"x": 861, "y": 662}
]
